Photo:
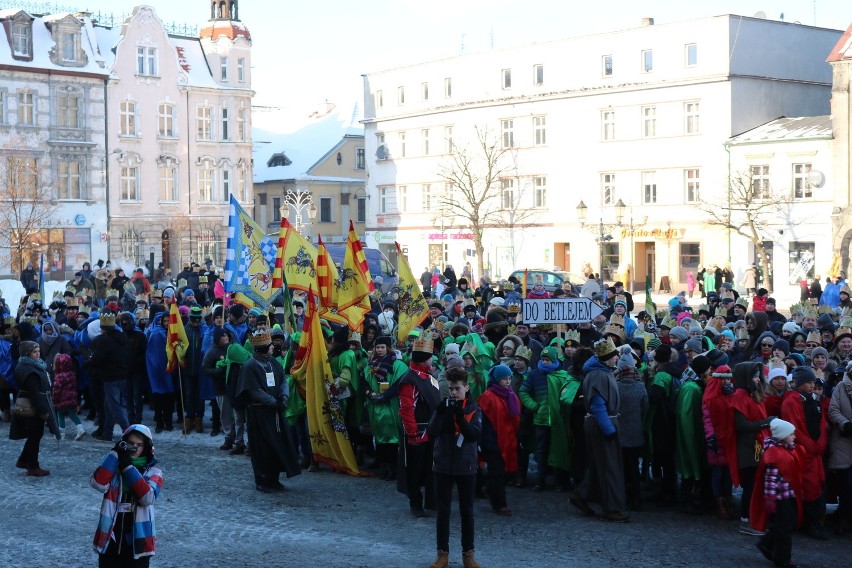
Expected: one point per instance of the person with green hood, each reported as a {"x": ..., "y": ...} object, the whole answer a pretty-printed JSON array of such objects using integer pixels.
[
  {"x": 384, "y": 369},
  {"x": 541, "y": 392},
  {"x": 690, "y": 445},
  {"x": 235, "y": 357}
]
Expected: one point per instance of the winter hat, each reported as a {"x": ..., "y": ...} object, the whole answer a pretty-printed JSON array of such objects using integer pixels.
[
  {"x": 551, "y": 353},
  {"x": 679, "y": 333},
  {"x": 717, "y": 358},
  {"x": 184, "y": 311},
  {"x": 791, "y": 327},
  {"x": 386, "y": 340},
  {"x": 497, "y": 301},
  {"x": 783, "y": 345},
  {"x": 802, "y": 375},
  {"x": 626, "y": 360},
  {"x": 27, "y": 347},
  {"x": 188, "y": 292},
  {"x": 218, "y": 333},
  {"x": 819, "y": 351},
  {"x": 797, "y": 357},
  {"x": 454, "y": 361},
  {"x": 694, "y": 344},
  {"x": 146, "y": 435},
  {"x": 673, "y": 303},
  {"x": 776, "y": 372},
  {"x": 729, "y": 334},
  {"x": 700, "y": 365},
  {"x": 498, "y": 372},
  {"x": 663, "y": 354},
  {"x": 451, "y": 349},
  {"x": 825, "y": 322},
  {"x": 723, "y": 372},
  {"x": 654, "y": 343},
  {"x": 196, "y": 313},
  {"x": 781, "y": 428}
]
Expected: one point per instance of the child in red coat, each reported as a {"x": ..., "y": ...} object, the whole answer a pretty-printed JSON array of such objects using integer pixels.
[{"x": 65, "y": 394}]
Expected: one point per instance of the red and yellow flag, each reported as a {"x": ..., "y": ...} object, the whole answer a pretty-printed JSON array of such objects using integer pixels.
[
  {"x": 355, "y": 283},
  {"x": 176, "y": 343},
  {"x": 326, "y": 421},
  {"x": 296, "y": 258},
  {"x": 354, "y": 241},
  {"x": 411, "y": 304},
  {"x": 327, "y": 285}
]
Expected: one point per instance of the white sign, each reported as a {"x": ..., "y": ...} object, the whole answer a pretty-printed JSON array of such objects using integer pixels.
[{"x": 560, "y": 310}]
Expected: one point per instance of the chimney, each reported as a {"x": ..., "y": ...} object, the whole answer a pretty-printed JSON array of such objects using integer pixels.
[{"x": 647, "y": 22}]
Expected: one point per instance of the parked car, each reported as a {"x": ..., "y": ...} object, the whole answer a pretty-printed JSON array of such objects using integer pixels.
[
  {"x": 377, "y": 262},
  {"x": 553, "y": 279}
]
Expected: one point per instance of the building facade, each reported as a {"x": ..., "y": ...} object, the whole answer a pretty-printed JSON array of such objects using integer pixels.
[
  {"x": 643, "y": 116},
  {"x": 52, "y": 145},
  {"x": 840, "y": 60},
  {"x": 178, "y": 136}
]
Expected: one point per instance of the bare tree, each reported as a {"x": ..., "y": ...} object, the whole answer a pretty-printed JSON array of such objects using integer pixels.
[
  {"x": 474, "y": 173},
  {"x": 750, "y": 208},
  {"x": 27, "y": 204}
]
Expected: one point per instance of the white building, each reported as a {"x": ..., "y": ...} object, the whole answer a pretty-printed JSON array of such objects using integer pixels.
[
  {"x": 52, "y": 78},
  {"x": 179, "y": 135},
  {"x": 641, "y": 115}
]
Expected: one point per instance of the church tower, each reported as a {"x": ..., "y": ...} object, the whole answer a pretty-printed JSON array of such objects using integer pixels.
[{"x": 227, "y": 44}]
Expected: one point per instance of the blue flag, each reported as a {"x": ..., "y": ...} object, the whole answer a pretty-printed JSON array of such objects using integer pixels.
[
  {"x": 249, "y": 259},
  {"x": 41, "y": 280}
]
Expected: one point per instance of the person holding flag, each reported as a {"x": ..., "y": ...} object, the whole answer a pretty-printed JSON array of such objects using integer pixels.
[{"x": 413, "y": 308}]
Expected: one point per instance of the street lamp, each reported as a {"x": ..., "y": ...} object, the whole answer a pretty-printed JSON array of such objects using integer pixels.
[
  {"x": 602, "y": 230},
  {"x": 301, "y": 202}
]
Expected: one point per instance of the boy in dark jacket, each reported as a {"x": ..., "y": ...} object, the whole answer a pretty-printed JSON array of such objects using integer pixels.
[{"x": 455, "y": 428}]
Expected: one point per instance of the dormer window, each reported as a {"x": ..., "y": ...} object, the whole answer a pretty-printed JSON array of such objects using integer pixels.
[
  {"x": 69, "y": 47},
  {"x": 146, "y": 61},
  {"x": 22, "y": 39}
]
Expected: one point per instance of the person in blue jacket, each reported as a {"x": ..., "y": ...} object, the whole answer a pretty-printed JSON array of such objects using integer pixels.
[{"x": 162, "y": 387}]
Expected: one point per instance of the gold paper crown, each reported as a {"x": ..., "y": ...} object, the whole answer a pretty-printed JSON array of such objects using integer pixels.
[
  {"x": 845, "y": 290},
  {"x": 668, "y": 322},
  {"x": 469, "y": 302},
  {"x": 572, "y": 335},
  {"x": 797, "y": 308},
  {"x": 202, "y": 280},
  {"x": 513, "y": 308},
  {"x": 721, "y": 313},
  {"x": 157, "y": 293},
  {"x": 142, "y": 314},
  {"x": 615, "y": 326},
  {"x": 604, "y": 348},
  {"x": 812, "y": 302},
  {"x": 742, "y": 333},
  {"x": 34, "y": 297},
  {"x": 107, "y": 320},
  {"x": 182, "y": 283},
  {"x": 824, "y": 309},
  {"x": 70, "y": 303},
  {"x": 726, "y": 295},
  {"x": 814, "y": 337},
  {"x": 845, "y": 328},
  {"x": 423, "y": 345},
  {"x": 508, "y": 286},
  {"x": 260, "y": 338},
  {"x": 704, "y": 308},
  {"x": 742, "y": 302},
  {"x": 810, "y": 311},
  {"x": 524, "y": 352},
  {"x": 662, "y": 314},
  {"x": 620, "y": 299},
  {"x": 9, "y": 320},
  {"x": 354, "y": 336},
  {"x": 616, "y": 319}
]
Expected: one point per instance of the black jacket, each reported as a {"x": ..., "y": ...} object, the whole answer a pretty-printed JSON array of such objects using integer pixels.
[
  {"x": 109, "y": 356},
  {"x": 447, "y": 456}
]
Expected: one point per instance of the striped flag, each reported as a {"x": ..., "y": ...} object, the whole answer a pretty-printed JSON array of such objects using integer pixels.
[
  {"x": 354, "y": 241},
  {"x": 296, "y": 258},
  {"x": 412, "y": 306},
  {"x": 524, "y": 283},
  {"x": 250, "y": 258},
  {"x": 176, "y": 344},
  {"x": 649, "y": 301},
  {"x": 327, "y": 279},
  {"x": 41, "y": 280},
  {"x": 355, "y": 282}
]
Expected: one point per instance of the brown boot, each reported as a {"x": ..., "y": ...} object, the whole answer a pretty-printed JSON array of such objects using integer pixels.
[
  {"x": 722, "y": 509},
  {"x": 199, "y": 424},
  {"x": 187, "y": 426},
  {"x": 468, "y": 560},
  {"x": 442, "y": 560}
]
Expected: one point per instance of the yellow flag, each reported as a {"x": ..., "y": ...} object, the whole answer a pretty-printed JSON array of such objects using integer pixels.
[
  {"x": 326, "y": 282},
  {"x": 296, "y": 260},
  {"x": 411, "y": 304},
  {"x": 353, "y": 284},
  {"x": 326, "y": 422},
  {"x": 177, "y": 343}
]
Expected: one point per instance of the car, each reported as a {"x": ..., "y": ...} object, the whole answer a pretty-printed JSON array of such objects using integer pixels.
[
  {"x": 377, "y": 262},
  {"x": 553, "y": 279}
]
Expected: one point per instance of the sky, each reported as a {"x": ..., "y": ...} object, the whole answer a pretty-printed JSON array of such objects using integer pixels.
[{"x": 306, "y": 53}]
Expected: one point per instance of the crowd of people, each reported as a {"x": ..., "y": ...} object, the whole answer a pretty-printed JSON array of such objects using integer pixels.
[{"x": 672, "y": 407}]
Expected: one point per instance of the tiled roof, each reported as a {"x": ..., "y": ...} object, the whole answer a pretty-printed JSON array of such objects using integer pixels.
[
  {"x": 843, "y": 49},
  {"x": 787, "y": 129}
]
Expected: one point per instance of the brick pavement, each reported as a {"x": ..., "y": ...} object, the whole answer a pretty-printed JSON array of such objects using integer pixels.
[{"x": 209, "y": 514}]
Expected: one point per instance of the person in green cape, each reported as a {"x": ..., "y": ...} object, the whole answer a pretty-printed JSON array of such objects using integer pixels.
[
  {"x": 384, "y": 369},
  {"x": 690, "y": 446},
  {"x": 541, "y": 392},
  {"x": 350, "y": 386},
  {"x": 296, "y": 412},
  {"x": 235, "y": 357}
]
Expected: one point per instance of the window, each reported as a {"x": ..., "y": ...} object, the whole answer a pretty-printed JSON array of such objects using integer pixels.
[
  {"x": 380, "y": 99},
  {"x": 540, "y": 197},
  {"x": 692, "y": 180},
  {"x": 691, "y": 54},
  {"x": 507, "y": 194},
  {"x": 168, "y": 182},
  {"x": 402, "y": 198},
  {"x": 611, "y": 259},
  {"x": 325, "y": 210},
  {"x": 127, "y": 124},
  {"x": 539, "y": 130},
  {"x": 507, "y": 133},
  {"x": 401, "y": 140},
  {"x": 649, "y": 122},
  {"x": 245, "y": 195},
  {"x": 22, "y": 176},
  {"x": 506, "y": 79},
  {"x": 225, "y": 132},
  {"x": 205, "y": 181},
  {"x": 241, "y": 70},
  {"x": 424, "y": 135},
  {"x": 383, "y": 200},
  {"x": 242, "y": 125},
  {"x": 400, "y": 95},
  {"x": 129, "y": 183},
  {"x": 69, "y": 180},
  {"x": 538, "y": 75},
  {"x": 760, "y": 182},
  {"x": 649, "y": 187},
  {"x": 21, "y": 39},
  {"x": 647, "y": 60},
  {"x": 450, "y": 198},
  {"x": 69, "y": 46},
  {"x": 802, "y": 257},
  {"x": 166, "y": 120},
  {"x": 26, "y": 109},
  {"x": 204, "y": 123},
  {"x": 608, "y": 188},
  {"x": 607, "y": 65},
  {"x": 223, "y": 68},
  {"x": 276, "y": 209},
  {"x": 801, "y": 185},
  {"x": 146, "y": 61},
  {"x": 67, "y": 111},
  {"x": 426, "y": 194},
  {"x": 360, "y": 159},
  {"x": 2, "y": 106},
  {"x": 448, "y": 139},
  {"x": 608, "y": 125},
  {"x": 691, "y": 118},
  {"x": 424, "y": 91},
  {"x": 448, "y": 87},
  {"x": 690, "y": 258},
  {"x": 226, "y": 185},
  {"x": 361, "y": 210}
]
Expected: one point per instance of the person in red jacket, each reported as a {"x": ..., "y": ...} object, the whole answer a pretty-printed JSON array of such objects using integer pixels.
[
  {"x": 779, "y": 494},
  {"x": 803, "y": 411},
  {"x": 501, "y": 411}
]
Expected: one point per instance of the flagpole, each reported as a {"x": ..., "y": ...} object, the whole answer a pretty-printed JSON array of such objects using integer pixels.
[{"x": 183, "y": 408}]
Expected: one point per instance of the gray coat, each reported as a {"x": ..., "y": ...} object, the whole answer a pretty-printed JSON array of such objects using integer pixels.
[
  {"x": 839, "y": 413},
  {"x": 632, "y": 412}
]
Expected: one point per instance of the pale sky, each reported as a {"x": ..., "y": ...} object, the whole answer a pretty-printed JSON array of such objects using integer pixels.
[{"x": 307, "y": 52}]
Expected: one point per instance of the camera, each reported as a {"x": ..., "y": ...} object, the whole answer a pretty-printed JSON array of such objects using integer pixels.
[
  {"x": 127, "y": 447},
  {"x": 450, "y": 402}
]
